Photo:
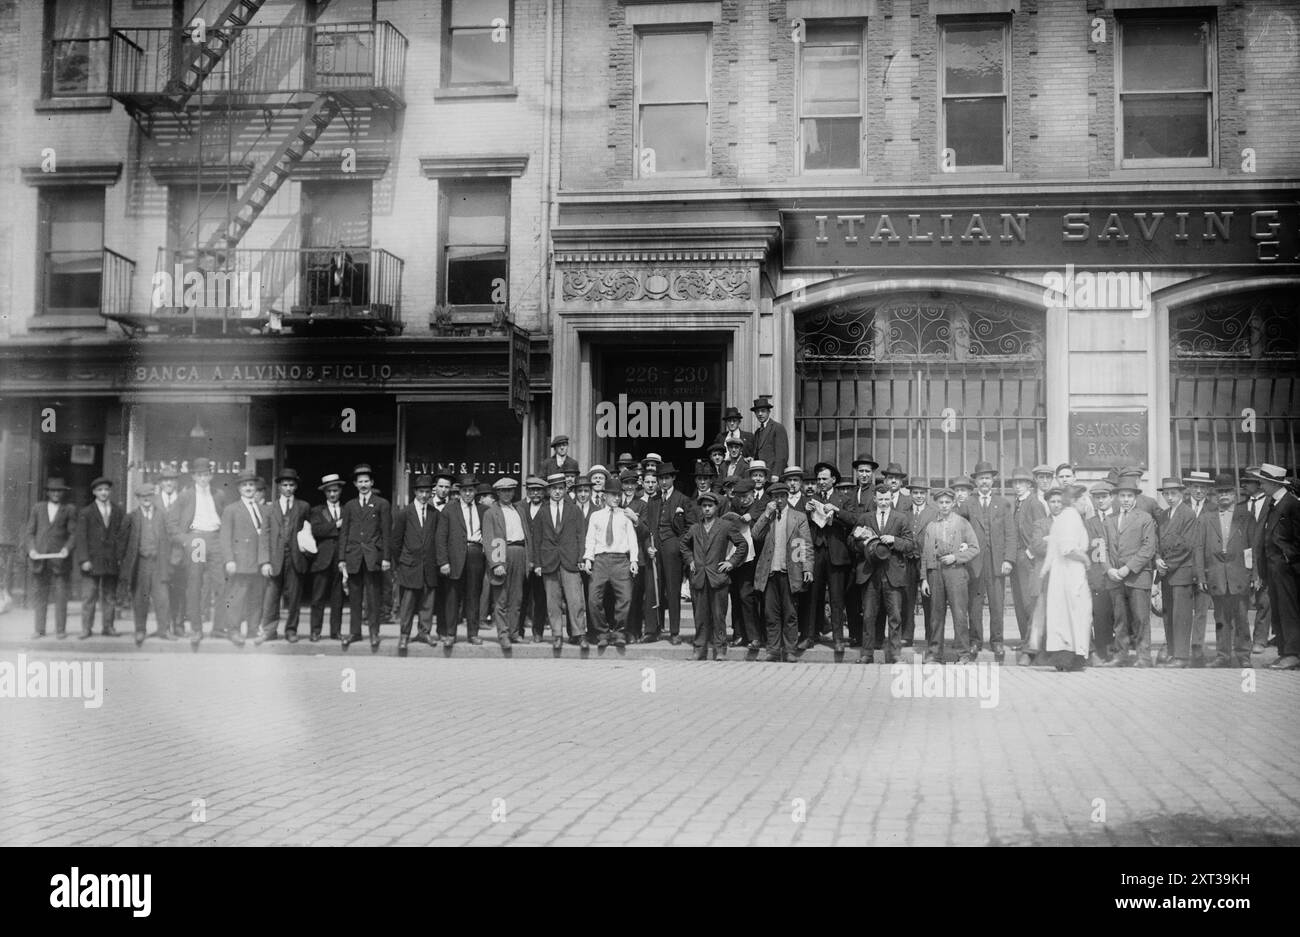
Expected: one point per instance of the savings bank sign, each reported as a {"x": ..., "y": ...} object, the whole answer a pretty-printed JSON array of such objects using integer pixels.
[{"x": 1116, "y": 237}]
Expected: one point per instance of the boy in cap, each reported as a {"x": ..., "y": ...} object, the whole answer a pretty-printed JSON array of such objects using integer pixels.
[
  {"x": 98, "y": 548},
  {"x": 51, "y": 531},
  {"x": 1221, "y": 571},
  {"x": 948, "y": 548},
  {"x": 710, "y": 550},
  {"x": 146, "y": 564}
]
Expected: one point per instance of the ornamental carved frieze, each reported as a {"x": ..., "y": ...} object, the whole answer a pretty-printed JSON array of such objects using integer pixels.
[{"x": 673, "y": 284}]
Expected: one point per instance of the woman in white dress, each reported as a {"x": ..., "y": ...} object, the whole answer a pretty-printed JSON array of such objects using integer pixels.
[{"x": 1063, "y": 617}]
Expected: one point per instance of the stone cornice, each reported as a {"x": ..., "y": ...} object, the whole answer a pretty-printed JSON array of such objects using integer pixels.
[
  {"x": 74, "y": 173},
  {"x": 185, "y": 173},
  {"x": 473, "y": 167},
  {"x": 687, "y": 243}
]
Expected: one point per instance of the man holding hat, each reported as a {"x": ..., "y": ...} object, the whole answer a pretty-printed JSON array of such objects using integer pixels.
[
  {"x": 1130, "y": 552},
  {"x": 731, "y": 430},
  {"x": 98, "y": 548},
  {"x": 414, "y": 553},
  {"x": 146, "y": 565},
  {"x": 560, "y": 460},
  {"x": 830, "y": 518},
  {"x": 363, "y": 554},
  {"x": 949, "y": 546},
  {"x": 675, "y": 514},
  {"x": 747, "y": 626},
  {"x": 51, "y": 531},
  {"x": 770, "y": 444},
  {"x": 994, "y": 523},
  {"x": 285, "y": 517},
  {"x": 782, "y": 571},
  {"x": 198, "y": 536},
  {"x": 1176, "y": 534},
  {"x": 710, "y": 549},
  {"x": 885, "y": 542},
  {"x": 1221, "y": 571},
  {"x": 1277, "y": 541},
  {"x": 1105, "y": 591},
  {"x": 458, "y": 545},
  {"x": 557, "y": 554},
  {"x": 611, "y": 555},
  {"x": 505, "y": 535},
  {"x": 246, "y": 545},
  {"x": 326, "y": 578},
  {"x": 862, "y": 501}
]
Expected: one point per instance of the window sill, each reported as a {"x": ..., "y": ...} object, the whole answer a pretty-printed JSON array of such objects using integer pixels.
[
  {"x": 975, "y": 176},
  {"x": 84, "y": 102},
  {"x": 50, "y": 322},
  {"x": 476, "y": 91},
  {"x": 1161, "y": 173}
]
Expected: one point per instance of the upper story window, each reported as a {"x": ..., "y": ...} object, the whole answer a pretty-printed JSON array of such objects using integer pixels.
[
  {"x": 475, "y": 241},
  {"x": 71, "y": 250},
  {"x": 830, "y": 97},
  {"x": 77, "y": 48},
  {"x": 1166, "y": 90},
  {"x": 478, "y": 42},
  {"x": 974, "y": 87},
  {"x": 672, "y": 91}
]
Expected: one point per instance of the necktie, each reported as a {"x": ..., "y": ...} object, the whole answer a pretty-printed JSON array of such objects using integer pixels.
[
  {"x": 148, "y": 515},
  {"x": 1123, "y": 515},
  {"x": 334, "y": 511},
  {"x": 555, "y": 515},
  {"x": 609, "y": 530},
  {"x": 422, "y": 515},
  {"x": 257, "y": 515},
  {"x": 104, "y": 512},
  {"x": 284, "y": 506},
  {"x": 473, "y": 521},
  {"x": 984, "y": 502}
]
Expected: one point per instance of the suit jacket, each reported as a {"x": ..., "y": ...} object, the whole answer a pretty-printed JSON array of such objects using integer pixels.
[
  {"x": 672, "y": 523},
  {"x": 552, "y": 465},
  {"x": 834, "y": 537},
  {"x": 894, "y": 569},
  {"x": 1026, "y": 515},
  {"x": 1222, "y": 566},
  {"x": 131, "y": 559},
  {"x": 738, "y": 469},
  {"x": 494, "y": 533},
  {"x": 772, "y": 446},
  {"x": 918, "y": 523},
  {"x": 1134, "y": 547},
  {"x": 797, "y": 547},
  {"x": 1097, "y": 566},
  {"x": 706, "y": 549},
  {"x": 184, "y": 517},
  {"x": 243, "y": 543},
  {"x": 45, "y": 537},
  {"x": 364, "y": 534},
  {"x": 284, "y": 536},
  {"x": 746, "y": 437},
  {"x": 451, "y": 539},
  {"x": 1177, "y": 530},
  {"x": 326, "y": 531},
  {"x": 996, "y": 530},
  {"x": 1277, "y": 535},
  {"x": 559, "y": 549},
  {"x": 99, "y": 545},
  {"x": 414, "y": 548}
]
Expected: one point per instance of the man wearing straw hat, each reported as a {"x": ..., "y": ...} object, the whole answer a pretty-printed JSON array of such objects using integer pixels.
[
  {"x": 505, "y": 538},
  {"x": 326, "y": 578},
  {"x": 1277, "y": 541}
]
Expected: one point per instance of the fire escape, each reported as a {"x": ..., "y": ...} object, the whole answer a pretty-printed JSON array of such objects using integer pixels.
[{"x": 245, "y": 105}]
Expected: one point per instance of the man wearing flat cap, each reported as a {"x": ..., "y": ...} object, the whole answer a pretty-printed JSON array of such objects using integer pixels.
[
  {"x": 285, "y": 517},
  {"x": 560, "y": 460},
  {"x": 771, "y": 444},
  {"x": 919, "y": 514},
  {"x": 949, "y": 546},
  {"x": 98, "y": 548},
  {"x": 505, "y": 535},
  {"x": 731, "y": 430},
  {"x": 246, "y": 545},
  {"x": 168, "y": 501},
  {"x": 710, "y": 549},
  {"x": 51, "y": 531},
  {"x": 536, "y": 613},
  {"x": 363, "y": 554},
  {"x": 326, "y": 578},
  {"x": 146, "y": 564},
  {"x": 735, "y": 464}
]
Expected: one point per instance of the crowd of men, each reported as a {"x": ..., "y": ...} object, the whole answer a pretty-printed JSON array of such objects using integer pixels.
[{"x": 788, "y": 559}]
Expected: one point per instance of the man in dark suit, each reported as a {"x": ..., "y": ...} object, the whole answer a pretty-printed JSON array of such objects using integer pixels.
[
  {"x": 560, "y": 460},
  {"x": 1277, "y": 541},
  {"x": 770, "y": 445},
  {"x": 919, "y": 514},
  {"x": 1130, "y": 552},
  {"x": 285, "y": 517},
  {"x": 747, "y": 627},
  {"x": 534, "y": 611},
  {"x": 98, "y": 548},
  {"x": 710, "y": 549},
  {"x": 994, "y": 523},
  {"x": 246, "y": 545},
  {"x": 675, "y": 514},
  {"x": 557, "y": 552},
  {"x": 167, "y": 500},
  {"x": 51, "y": 529},
  {"x": 1028, "y": 511},
  {"x": 782, "y": 571},
  {"x": 197, "y": 533},
  {"x": 1253, "y": 500},
  {"x": 1105, "y": 591},
  {"x": 363, "y": 554},
  {"x": 1176, "y": 533},
  {"x": 459, "y": 549},
  {"x": 146, "y": 565},
  {"x": 414, "y": 551},
  {"x": 886, "y": 542},
  {"x": 1226, "y": 533},
  {"x": 326, "y": 579},
  {"x": 830, "y": 518},
  {"x": 731, "y": 430},
  {"x": 862, "y": 499},
  {"x": 735, "y": 465}
]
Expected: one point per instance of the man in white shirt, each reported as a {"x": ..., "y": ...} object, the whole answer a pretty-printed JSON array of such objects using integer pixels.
[
  {"x": 505, "y": 538},
  {"x": 611, "y": 555},
  {"x": 198, "y": 524}
]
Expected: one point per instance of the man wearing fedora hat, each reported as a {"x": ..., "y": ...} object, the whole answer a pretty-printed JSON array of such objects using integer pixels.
[
  {"x": 995, "y": 527},
  {"x": 710, "y": 549},
  {"x": 414, "y": 553},
  {"x": 1175, "y": 531},
  {"x": 830, "y": 518},
  {"x": 558, "y": 546},
  {"x": 1224, "y": 537},
  {"x": 98, "y": 549},
  {"x": 285, "y": 517},
  {"x": 1131, "y": 544},
  {"x": 731, "y": 430},
  {"x": 363, "y": 554},
  {"x": 1027, "y": 512},
  {"x": 1277, "y": 540},
  {"x": 919, "y": 514},
  {"x": 894, "y": 474},
  {"x": 145, "y": 564},
  {"x": 670, "y": 515},
  {"x": 168, "y": 501},
  {"x": 536, "y": 614},
  {"x": 326, "y": 578},
  {"x": 51, "y": 531},
  {"x": 560, "y": 460},
  {"x": 771, "y": 444},
  {"x": 1199, "y": 484},
  {"x": 885, "y": 540},
  {"x": 197, "y": 534},
  {"x": 246, "y": 545},
  {"x": 505, "y": 534},
  {"x": 459, "y": 549},
  {"x": 782, "y": 571}
]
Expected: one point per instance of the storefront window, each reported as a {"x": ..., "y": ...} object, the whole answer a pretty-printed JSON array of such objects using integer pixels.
[
  {"x": 459, "y": 437},
  {"x": 175, "y": 434}
]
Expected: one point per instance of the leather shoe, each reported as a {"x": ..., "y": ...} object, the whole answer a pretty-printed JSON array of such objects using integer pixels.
[
  {"x": 37, "y": 634},
  {"x": 504, "y": 641},
  {"x": 347, "y": 639},
  {"x": 1258, "y": 648},
  {"x": 804, "y": 645},
  {"x": 772, "y": 659},
  {"x": 930, "y": 658},
  {"x": 966, "y": 659},
  {"x": 374, "y": 643},
  {"x": 650, "y": 639},
  {"x": 700, "y": 654},
  {"x": 1222, "y": 663},
  {"x": 447, "y": 641},
  {"x": 838, "y": 647},
  {"x": 83, "y": 636},
  {"x": 403, "y": 643},
  {"x": 754, "y": 646},
  {"x": 1290, "y": 662},
  {"x": 621, "y": 641},
  {"x": 165, "y": 634},
  {"x": 292, "y": 637},
  {"x": 557, "y": 643},
  {"x": 236, "y": 638},
  {"x": 476, "y": 640},
  {"x": 865, "y": 659},
  {"x": 792, "y": 658},
  {"x": 110, "y": 632},
  {"x": 737, "y": 641},
  {"x": 139, "y": 638},
  {"x": 1177, "y": 663},
  {"x": 583, "y": 643},
  {"x": 675, "y": 639},
  {"x": 261, "y": 636},
  {"x": 315, "y": 636},
  {"x": 603, "y": 641},
  {"x": 1143, "y": 662}
]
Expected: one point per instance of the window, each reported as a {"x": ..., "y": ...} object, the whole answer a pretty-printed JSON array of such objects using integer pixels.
[
  {"x": 72, "y": 250},
  {"x": 76, "y": 53},
  {"x": 475, "y": 248},
  {"x": 974, "y": 89},
  {"x": 830, "y": 97},
  {"x": 478, "y": 42},
  {"x": 1166, "y": 98},
  {"x": 186, "y": 231},
  {"x": 672, "y": 103}
]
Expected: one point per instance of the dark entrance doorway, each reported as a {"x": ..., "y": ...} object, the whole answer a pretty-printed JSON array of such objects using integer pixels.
[
  {"x": 659, "y": 394},
  {"x": 313, "y": 461}
]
